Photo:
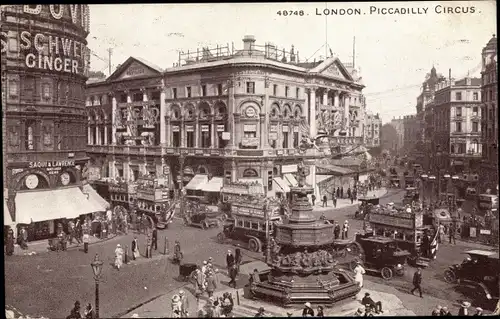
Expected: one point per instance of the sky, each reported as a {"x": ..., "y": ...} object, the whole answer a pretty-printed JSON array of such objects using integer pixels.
[{"x": 393, "y": 51}]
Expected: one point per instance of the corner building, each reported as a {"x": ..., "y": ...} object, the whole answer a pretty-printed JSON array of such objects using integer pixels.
[
  {"x": 44, "y": 122},
  {"x": 239, "y": 115}
]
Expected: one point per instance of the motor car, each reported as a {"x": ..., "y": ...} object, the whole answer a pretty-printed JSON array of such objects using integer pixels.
[
  {"x": 198, "y": 215},
  {"x": 411, "y": 195},
  {"x": 480, "y": 269},
  {"x": 381, "y": 255}
]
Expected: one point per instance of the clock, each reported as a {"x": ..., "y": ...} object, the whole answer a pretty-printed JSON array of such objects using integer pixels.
[
  {"x": 65, "y": 179},
  {"x": 31, "y": 181},
  {"x": 250, "y": 112}
]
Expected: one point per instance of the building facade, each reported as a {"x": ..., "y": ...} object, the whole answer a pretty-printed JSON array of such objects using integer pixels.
[
  {"x": 489, "y": 118},
  {"x": 373, "y": 125},
  {"x": 412, "y": 133},
  {"x": 398, "y": 125},
  {"x": 44, "y": 62},
  {"x": 236, "y": 114},
  {"x": 457, "y": 124},
  {"x": 389, "y": 138}
]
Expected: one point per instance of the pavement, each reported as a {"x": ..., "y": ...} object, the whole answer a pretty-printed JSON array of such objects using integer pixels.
[{"x": 344, "y": 202}]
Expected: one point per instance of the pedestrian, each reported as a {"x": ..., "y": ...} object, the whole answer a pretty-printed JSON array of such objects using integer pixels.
[
  {"x": 445, "y": 312},
  {"x": 229, "y": 260},
  {"x": 308, "y": 310},
  {"x": 75, "y": 312},
  {"x": 238, "y": 258},
  {"x": 345, "y": 230},
  {"x": 232, "y": 275},
  {"x": 313, "y": 199},
  {"x": 464, "y": 309},
  {"x": 89, "y": 312},
  {"x": 118, "y": 257},
  {"x": 342, "y": 192},
  {"x": 338, "y": 192},
  {"x": 325, "y": 204},
  {"x": 211, "y": 284},
  {"x": 334, "y": 199},
  {"x": 368, "y": 311},
  {"x": 86, "y": 240},
  {"x": 437, "y": 311},
  {"x": 417, "y": 282},
  {"x": 23, "y": 238},
  {"x": 336, "y": 230},
  {"x": 261, "y": 312},
  {"x": 320, "y": 312},
  {"x": 359, "y": 271},
  {"x": 368, "y": 301},
  {"x": 204, "y": 267},
  {"x": 359, "y": 312},
  {"x": 184, "y": 304},
  {"x": 352, "y": 198},
  {"x": 452, "y": 234},
  {"x": 135, "y": 248},
  {"x": 71, "y": 231},
  {"x": 216, "y": 309},
  {"x": 349, "y": 192},
  {"x": 176, "y": 306},
  {"x": 199, "y": 283},
  {"x": 479, "y": 312},
  {"x": 149, "y": 243},
  {"x": 9, "y": 245},
  {"x": 442, "y": 232},
  {"x": 155, "y": 238}
]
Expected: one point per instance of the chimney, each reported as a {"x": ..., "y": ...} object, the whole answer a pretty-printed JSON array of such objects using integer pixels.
[
  {"x": 248, "y": 41},
  {"x": 292, "y": 55}
]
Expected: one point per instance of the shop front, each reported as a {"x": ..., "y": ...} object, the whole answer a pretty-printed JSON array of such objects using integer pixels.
[
  {"x": 40, "y": 211},
  {"x": 212, "y": 189}
]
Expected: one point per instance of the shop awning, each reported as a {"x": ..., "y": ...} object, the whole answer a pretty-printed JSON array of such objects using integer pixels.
[
  {"x": 286, "y": 169},
  {"x": 281, "y": 185},
  {"x": 214, "y": 185},
  {"x": 290, "y": 179},
  {"x": 257, "y": 188},
  {"x": 95, "y": 198},
  {"x": 197, "y": 182},
  {"x": 36, "y": 206},
  {"x": 7, "y": 219}
]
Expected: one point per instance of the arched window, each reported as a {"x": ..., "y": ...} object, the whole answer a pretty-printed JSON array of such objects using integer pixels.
[
  {"x": 452, "y": 150},
  {"x": 250, "y": 172}
]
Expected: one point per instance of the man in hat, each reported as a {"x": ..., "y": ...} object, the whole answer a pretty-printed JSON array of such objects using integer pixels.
[
  {"x": 229, "y": 260},
  {"x": 336, "y": 230},
  {"x": 377, "y": 306},
  {"x": 118, "y": 256},
  {"x": 437, "y": 311},
  {"x": 89, "y": 312},
  {"x": 308, "y": 310},
  {"x": 345, "y": 229},
  {"x": 445, "y": 312},
  {"x": 75, "y": 312},
  {"x": 479, "y": 312},
  {"x": 204, "y": 267},
  {"x": 176, "y": 307},
  {"x": 464, "y": 309},
  {"x": 359, "y": 312},
  {"x": 184, "y": 304},
  {"x": 417, "y": 282}
]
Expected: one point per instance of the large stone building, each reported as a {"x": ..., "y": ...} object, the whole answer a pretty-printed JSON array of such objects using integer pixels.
[
  {"x": 398, "y": 125},
  {"x": 389, "y": 138},
  {"x": 457, "y": 124},
  {"x": 236, "y": 114},
  {"x": 489, "y": 118},
  {"x": 44, "y": 62},
  {"x": 373, "y": 125},
  {"x": 412, "y": 134}
]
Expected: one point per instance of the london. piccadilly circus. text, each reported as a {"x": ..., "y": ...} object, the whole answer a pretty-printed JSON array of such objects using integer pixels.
[{"x": 375, "y": 10}]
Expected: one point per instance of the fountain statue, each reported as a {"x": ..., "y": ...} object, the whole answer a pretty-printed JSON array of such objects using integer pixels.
[{"x": 303, "y": 268}]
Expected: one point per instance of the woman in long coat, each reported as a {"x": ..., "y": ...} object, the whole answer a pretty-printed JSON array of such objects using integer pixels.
[
  {"x": 238, "y": 259},
  {"x": 118, "y": 256},
  {"x": 211, "y": 284}
]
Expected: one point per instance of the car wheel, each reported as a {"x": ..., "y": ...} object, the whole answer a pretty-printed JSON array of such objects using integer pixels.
[
  {"x": 449, "y": 276},
  {"x": 386, "y": 273},
  {"x": 221, "y": 238},
  {"x": 253, "y": 245}
]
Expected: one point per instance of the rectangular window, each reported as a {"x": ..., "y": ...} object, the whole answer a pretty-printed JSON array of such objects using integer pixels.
[
  {"x": 13, "y": 88},
  {"x": 189, "y": 139},
  {"x": 123, "y": 98},
  {"x": 120, "y": 172},
  {"x": 297, "y": 92},
  {"x": 137, "y": 97},
  {"x": 287, "y": 91},
  {"x": 219, "y": 89},
  {"x": 475, "y": 127},
  {"x": 275, "y": 89},
  {"x": 239, "y": 223},
  {"x": 174, "y": 93},
  {"x": 285, "y": 139},
  {"x": 251, "y": 87},
  {"x": 246, "y": 224},
  {"x": 203, "y": 90},
  {"x": 255, "y": 225},
  {"x": 459, "y": 111},
  {"x": 475, "y": 96},
  {"x": 458, "y": 96},
  {"x": 295, "y": 139},
  {"x": 475, "y": 110},
  {"x": 188, "y": 91},
  {"x": 458, "y": 127}
]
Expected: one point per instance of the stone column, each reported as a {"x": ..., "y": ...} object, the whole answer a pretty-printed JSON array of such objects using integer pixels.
[
  {"x": 312, "y": 118},
  {"x": 126, "y": 171},
  {"x": 129, "y": 110},
  {"x": 336, "y": 101},
  {"x": 346, "y": 110},
  {"x": 325, "y": 97},
  {"x": 113, "y": 120},
  {"x": 236, "y": 129},
  {"x": 106, "y": 142},
  {"x": 112, "y": 169},
  {"x": 164, "y": 133},
  {"x": 197, "y": 134},
  {"x": 231, "y": 105},
  {"x": 167, "y": 131},
  {"x": 233, "y": 172},
  {"x": 213, "y": 133},
  {"x": 97, "y": 135},
  {"x": 263, "y": 130},
  {"x": 182, "y": 131}
]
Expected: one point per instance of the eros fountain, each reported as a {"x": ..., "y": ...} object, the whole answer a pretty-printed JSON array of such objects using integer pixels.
[{"x": 302, "y": 266}]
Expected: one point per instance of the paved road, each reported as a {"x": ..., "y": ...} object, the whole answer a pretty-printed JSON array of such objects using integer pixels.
[{"x": 48, "y": 284}]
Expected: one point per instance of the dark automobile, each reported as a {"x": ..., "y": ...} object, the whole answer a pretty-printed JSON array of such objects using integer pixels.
[
  {"x": 381, "y": 255},
  {"x": 198, "y": 215},
  {"x": 365, "y": 207},
  {"x": 411, "y": 195},
  {"x": 479, "y": 270}
]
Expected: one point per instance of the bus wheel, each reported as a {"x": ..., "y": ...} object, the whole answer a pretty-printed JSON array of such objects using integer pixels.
[{"x": 253, "y": 245}]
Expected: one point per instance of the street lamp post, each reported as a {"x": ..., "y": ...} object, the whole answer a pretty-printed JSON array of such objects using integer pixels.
[
  {"x": 97, "y": 269},
  {"x": 268, "y": 239},
  {"x": 182, "y": 160}
]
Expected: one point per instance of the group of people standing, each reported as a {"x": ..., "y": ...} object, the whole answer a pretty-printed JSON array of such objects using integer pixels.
[
  {"x": 88, "y": 313},
  {"x": 122, "y": 255}
]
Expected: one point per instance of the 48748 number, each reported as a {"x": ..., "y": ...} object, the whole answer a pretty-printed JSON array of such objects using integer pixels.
[{"x": 286, "y": 13}]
